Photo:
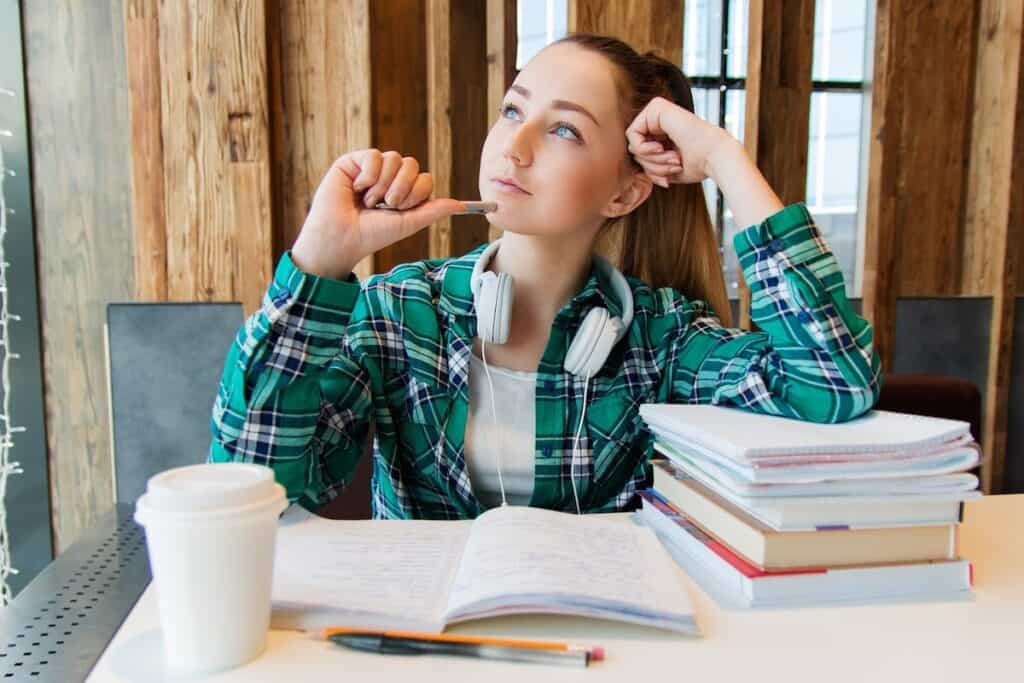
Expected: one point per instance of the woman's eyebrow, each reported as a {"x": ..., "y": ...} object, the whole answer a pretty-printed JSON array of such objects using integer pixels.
[{"x": 558, "y": 104}]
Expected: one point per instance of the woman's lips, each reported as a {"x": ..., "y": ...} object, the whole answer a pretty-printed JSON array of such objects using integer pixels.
[{"x": 510, "y": 189}]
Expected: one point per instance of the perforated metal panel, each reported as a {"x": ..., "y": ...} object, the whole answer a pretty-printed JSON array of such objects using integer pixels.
[{"x": 58, "y": 626}]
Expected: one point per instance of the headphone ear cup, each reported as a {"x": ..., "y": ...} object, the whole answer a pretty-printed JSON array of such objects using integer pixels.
[
  {"x": 493, "y": 302},
  {"x": 592, "y": 343}
]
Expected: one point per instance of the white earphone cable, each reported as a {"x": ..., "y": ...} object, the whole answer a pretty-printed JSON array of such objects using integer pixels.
[
  {"x": 575, "y": 445},
  {"x": 494, "y": 411}
]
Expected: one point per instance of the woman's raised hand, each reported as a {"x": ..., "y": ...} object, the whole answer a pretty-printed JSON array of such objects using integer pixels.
[
  {"x": 674, "y": 145},
  {"x": 342, "y": 228}
]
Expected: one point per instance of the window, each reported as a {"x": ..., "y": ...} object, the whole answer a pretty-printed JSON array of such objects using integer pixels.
[
  {"x": 839, "y": 126},
  {"x": 538, "y": 24},
  {"x": 714, "y": 57}
]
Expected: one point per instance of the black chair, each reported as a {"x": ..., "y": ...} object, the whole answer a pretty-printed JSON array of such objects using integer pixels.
[
  {"x": 943, "y": 396},
  {"x": 164, "y": 362}
]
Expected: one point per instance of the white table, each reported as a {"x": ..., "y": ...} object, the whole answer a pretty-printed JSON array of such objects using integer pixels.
[{"x": 982, "y": 639}]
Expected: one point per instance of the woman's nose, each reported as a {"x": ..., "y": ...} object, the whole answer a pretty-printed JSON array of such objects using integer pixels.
[{"x": 517, "y": 147}]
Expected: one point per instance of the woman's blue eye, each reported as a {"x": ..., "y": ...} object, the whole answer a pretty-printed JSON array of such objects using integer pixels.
[
  {"x": 507, "y": 109},
  {"x": 561, "y": 125},
  {"x": 572, "y": 130}
]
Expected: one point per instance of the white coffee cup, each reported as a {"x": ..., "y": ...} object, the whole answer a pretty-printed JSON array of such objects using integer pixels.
[{"x": 210, "y": 533}]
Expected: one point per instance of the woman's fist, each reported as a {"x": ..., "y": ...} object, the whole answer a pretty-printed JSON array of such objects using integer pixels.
[
  {"x": 342, "y": 227},
  {"x": 672, "y": 144}
]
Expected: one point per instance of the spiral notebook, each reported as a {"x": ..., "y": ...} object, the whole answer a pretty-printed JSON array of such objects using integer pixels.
[{"x": 745, "y": 436}]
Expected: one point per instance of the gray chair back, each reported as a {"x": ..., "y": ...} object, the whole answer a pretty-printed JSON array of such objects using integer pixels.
[{"x": 164, "y": 362}]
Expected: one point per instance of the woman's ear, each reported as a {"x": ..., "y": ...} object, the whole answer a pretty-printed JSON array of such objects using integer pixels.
[{"x": 633, "y": 192}]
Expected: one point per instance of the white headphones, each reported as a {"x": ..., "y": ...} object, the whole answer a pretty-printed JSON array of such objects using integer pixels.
[
  {"x": 588, "y": 351},
  {"x": 599, "y": 333}
]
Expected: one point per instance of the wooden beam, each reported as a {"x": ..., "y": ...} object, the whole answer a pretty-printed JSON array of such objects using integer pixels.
[
  {"x": 242, "y": 58},
  {"x": 457, "y": 116},
  {"x": 213, "y": 63},
  {"x": 502, "y": 44},
  {"x": 439, "y": 117},
  {"x": 994, "y": 206},
  {"x": 778, "y": 101},
  {"x": 320, "y": 102},
  {"x": 398, "y": 60},
  {"x": 470, "y": 117},
  {"x": 879, "y": 296},
  {"x": 936, "y": 57},
  {"x": 920, "y": 134},
  {"x": 142, "y": 58},
  {"x": 644, "y": 24}
]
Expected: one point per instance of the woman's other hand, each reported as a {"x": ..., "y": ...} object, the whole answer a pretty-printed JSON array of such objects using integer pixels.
[
  {"x": 674, "y": 145},
  {"x": 341, "y": 228}
]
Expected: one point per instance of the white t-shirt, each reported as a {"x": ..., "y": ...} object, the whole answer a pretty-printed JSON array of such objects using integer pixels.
[{"x": 515, "y": 433}]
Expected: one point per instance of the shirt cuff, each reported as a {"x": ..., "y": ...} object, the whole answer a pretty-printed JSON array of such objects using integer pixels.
[
  {"x": 789, "y": 236},
  {"x": 297, "y": 298}
]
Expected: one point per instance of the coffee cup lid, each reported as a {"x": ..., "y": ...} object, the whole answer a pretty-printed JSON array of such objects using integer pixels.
[{"x": 211, "y": 489}]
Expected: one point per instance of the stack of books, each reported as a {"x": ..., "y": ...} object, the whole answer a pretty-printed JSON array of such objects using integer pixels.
[{"x": 772, "y": 511}]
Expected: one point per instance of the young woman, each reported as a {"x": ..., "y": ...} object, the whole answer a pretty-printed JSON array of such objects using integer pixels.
[{"x": 480, "y": 397}]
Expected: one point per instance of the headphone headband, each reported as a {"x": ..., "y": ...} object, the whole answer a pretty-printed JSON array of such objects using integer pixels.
[
  {"x": 597, "y": 335},
  {"x": 617, "y": 279}
]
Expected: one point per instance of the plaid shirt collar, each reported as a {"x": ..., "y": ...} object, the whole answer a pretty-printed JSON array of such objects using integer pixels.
[{"x": 457, "y": 295}]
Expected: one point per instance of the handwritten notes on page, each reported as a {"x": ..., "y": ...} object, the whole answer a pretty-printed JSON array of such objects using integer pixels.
[
  {"x": 374, "y": 574},
  {"x": 529, "y": 559}
]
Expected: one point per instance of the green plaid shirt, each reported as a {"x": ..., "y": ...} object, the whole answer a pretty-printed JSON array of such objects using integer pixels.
[{"x": 322, "y": 358}]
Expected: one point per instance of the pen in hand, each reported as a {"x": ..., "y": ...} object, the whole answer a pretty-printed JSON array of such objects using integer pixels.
[
  {"x": 471, "y": 207},
  {"x": 382, "y": 644}
]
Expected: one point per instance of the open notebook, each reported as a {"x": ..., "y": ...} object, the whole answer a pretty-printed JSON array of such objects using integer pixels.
[{"x": 422, "y": 575}]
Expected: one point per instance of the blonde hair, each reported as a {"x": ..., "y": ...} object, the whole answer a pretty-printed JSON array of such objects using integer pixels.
[{"x": 669, "y": 240}]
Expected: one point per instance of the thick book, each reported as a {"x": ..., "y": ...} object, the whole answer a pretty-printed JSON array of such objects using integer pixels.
[
  {"x": 769, "y": 549},
  {"x": 854, "y": 511},
  {"x": 422, "y": 575},
  {"x": 734, "y": 582},
  {"x": 745, "y": 436}
]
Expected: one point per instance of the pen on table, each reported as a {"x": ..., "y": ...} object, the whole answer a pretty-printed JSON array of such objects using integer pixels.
[
  {"x": 400, "y": 642},
  {"x": 471, "y": 207}
]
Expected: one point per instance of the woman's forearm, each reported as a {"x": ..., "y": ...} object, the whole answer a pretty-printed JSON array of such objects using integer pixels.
[{"x": 745, "y": 189}]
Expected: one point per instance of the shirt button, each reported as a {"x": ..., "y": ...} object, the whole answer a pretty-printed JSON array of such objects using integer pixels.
[{"x": 776, "y": 245}]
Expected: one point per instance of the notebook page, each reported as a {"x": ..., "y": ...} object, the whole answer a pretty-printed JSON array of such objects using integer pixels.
[
  {"x": 537, "y": 558},
  {"x": 941, "y": 462},
  {"x": 743, "y": 434},
  {"x": 366, "y": 573}
]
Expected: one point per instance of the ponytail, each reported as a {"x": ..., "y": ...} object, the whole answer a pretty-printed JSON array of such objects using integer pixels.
[{"x": 669, "y": 239}]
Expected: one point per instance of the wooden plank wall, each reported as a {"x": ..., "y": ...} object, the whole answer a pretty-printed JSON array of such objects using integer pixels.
[
  {"x": 650, "y": 25},
  {"x": 319, "y": 90},
  {"x": 945, "y": 151},
  {"x": 920, "y": 135},
  {"x": 231, "y": 112},
  {"x": 458, "y": 116},
  {"x": 995, "y": 207},
  {"x": 78, "y": 109}
]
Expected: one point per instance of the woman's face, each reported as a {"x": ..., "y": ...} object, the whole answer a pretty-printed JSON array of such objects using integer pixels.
[{"x": 560, "y": 136}]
